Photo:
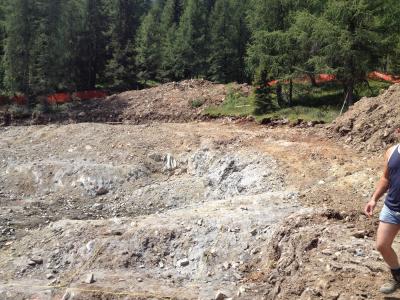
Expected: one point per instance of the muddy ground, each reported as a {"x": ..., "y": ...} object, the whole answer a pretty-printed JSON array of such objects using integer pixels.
[{"x": 185, "y": 211}]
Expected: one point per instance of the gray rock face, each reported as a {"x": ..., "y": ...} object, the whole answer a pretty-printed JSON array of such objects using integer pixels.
[{"x": 231, "y": 174}]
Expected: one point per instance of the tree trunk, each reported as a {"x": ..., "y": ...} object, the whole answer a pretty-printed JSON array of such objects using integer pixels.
[
  {"x": 279, "y": 95},
  {"x": 312, "y": 79},
  {"x": 290, "y": 92},
  {"x": 350, "y": 94}
]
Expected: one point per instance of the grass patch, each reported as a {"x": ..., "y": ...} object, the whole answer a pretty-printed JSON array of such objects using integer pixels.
[
  {"x": 374, "y": 88},
  {"x": 196, "y": 103},
  {"x": 325, "y": 114},
  {"x": 321, "y": 103},
  {"x": 235, "y": 104}
]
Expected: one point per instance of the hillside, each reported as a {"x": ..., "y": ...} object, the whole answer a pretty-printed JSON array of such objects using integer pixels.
[{"x": 370, "y": 123}]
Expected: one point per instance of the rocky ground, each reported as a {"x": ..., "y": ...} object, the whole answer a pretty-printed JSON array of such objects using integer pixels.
[{"x": 202, "y": 210}]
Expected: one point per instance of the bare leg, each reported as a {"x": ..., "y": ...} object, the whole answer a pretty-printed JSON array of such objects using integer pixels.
[{"x": 384, "y": 239}]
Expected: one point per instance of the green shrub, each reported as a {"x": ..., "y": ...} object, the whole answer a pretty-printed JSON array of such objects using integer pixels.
[
  {"x": 19, "y": 111},
  {"x": 196, "y": 103}
]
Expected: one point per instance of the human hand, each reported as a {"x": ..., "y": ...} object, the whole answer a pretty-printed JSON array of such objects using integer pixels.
[{"x": 369, "y": 208}]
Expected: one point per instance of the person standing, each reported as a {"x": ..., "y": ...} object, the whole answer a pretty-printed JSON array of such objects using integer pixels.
[{"x": 389, "y": 218}]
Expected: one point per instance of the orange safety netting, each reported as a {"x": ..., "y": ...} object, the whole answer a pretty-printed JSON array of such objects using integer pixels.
[
  {"x": 324, "y": 78},
  {"x": 88, "y": 95},
  {"x": 59, "y": 98},
  {"x": 320, "y": 78},
  {"x": 20, "y": 99},
  {"x": 385, "y": 77}
]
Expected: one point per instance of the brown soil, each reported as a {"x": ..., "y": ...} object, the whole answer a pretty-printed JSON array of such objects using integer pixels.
[
  {"x": 370, "y": 123},
  {"x": 182, "y": 101}
]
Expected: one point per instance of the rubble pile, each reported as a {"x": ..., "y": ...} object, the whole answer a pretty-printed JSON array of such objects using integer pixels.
[{"x": 370, "y": 123}]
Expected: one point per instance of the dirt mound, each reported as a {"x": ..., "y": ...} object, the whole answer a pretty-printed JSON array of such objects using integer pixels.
[
  {"x": 370, "y": 123},
  {"x": 175, "y": 101},
  {"x": 171, "y": 102}
]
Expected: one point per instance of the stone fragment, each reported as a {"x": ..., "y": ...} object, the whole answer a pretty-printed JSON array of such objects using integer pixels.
[
  {"x": 327, "y": 252},
  {"x": 226, "y": 265},
  {"x": 68, "y": 296},
  {"x": 241, "y": 291},
  {"x": 358, "y": 252},
  {"x": 97, "y": 206},
  {"x": 101, "y": 191},
  {"x": 220, "y": 296},
  {"x": 90, "y": 278},
  {"x": 183, "y": 262},
  {"x": 35, "y": 261},
  {"x": 359, "y": 234}
]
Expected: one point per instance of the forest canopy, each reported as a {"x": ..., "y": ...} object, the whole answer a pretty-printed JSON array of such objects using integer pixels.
[{"x": 65, "y": 45}]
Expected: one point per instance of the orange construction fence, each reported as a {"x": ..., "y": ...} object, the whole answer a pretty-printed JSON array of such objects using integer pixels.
[
  {"x": 323, "y": 78},
  {"x": 20, "y": 99},
  {"x": 385, "y": 77},
  {"x": 88, "y": 95},
  {"x": 57, "y": 98}
]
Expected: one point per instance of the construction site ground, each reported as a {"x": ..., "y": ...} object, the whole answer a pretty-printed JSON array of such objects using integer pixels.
[{"x": 196, "y": 210}]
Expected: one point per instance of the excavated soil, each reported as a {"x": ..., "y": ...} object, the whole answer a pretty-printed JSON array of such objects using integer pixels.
[
  {"x": 371, "y": 122},
  {"x": 182, "y": 101},
  {"x": 185, "y": 211}
]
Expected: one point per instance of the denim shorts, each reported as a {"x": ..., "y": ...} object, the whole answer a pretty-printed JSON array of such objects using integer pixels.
[{"x": 389, "y": 216}]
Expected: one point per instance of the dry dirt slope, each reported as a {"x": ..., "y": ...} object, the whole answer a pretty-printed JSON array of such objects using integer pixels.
[
  {"x": 172, "y": 102},
  {"x": 370, "y": 123}
]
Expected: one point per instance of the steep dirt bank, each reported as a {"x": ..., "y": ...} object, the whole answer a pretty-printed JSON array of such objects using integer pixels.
[
  {"x": 370, "y": 123},
  {"x": 182, "y": 211}
]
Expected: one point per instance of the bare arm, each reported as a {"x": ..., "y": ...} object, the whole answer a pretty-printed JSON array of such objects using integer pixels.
[{"x": 381, "y": 187}]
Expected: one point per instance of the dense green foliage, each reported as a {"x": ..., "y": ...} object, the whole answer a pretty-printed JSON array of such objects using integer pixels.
[{"x": 56, "y": 45}]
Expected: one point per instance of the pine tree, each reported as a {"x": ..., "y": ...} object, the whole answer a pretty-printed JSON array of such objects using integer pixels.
[
  {"x": 240, "y": 8},
  {"x": 389, "y": 29},
  {"x": 50, "y": 48},
  {"x": 262, "y": 93},
  {"x": 148, "y": 52},
  {"x": 121, "y": 68},
  {"x": 191, "y": 40},
  {"x": 223, "y": 57},
  {"x": 228, "y": 41},
  {"x": 2, "y": 45},
  {"x": 92, "y": 42},
  {"x": 170, "y": 18},
  {"x": 275, "y": 46},
  {"x": 351, "y": 44},
  {"x": 20, "y": 25}
]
